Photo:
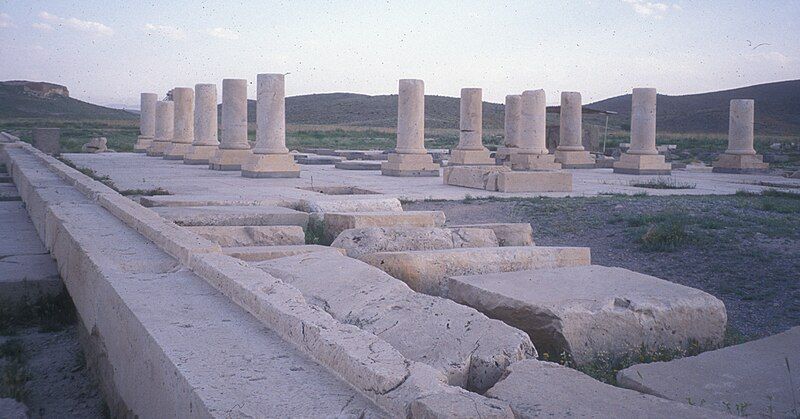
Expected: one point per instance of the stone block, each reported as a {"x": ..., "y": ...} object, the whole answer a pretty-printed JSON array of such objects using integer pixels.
[
  {"x": 410, "y": 165},
  {"x": 261, "y": 253},
  {"x": 476, "y": 177},
  {"x": 233, "y": 236},
  {"x": 157, "y": 148},
  {"x": 8, "y": 192},
  {"x": 508, "y": 234},
  {"x": 470, "y": 157},
  {"x": 233, "y": 216},
  {"x": 226, "y": 159},
  {"x": 336, "y": 222},
  {"x": 740, "y": 163},
  {"x": 26, "y": 278},
  {"x": 574, "y": 159},
  {"x": 642, "y": 164},
  {"x": 176, "y": 151},
  {"x": 358, "y": 242},
  {"x": 534, "y": 181},
  {"x": 48, "y": 140},
  {"x": 142, "y": 144},
  {"x": 427, "y": 271},
  {"x": 594, "y": 311},
  {"x": 521, "y": 161},
  {"x": 270, "y": 166},
  {"x": 350, "y": 203},
  {"x": 200, "y": 154},
  {"x": 319, "y": 160},
  {"x": 179, "y": 200},
  {"x": 757, "y": 374},
  {"x": 358, "y": 165}
]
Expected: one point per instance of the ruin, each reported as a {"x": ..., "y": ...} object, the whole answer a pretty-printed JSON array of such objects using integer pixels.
[
  {"x": 205, "y": 142},
  {"x": 511, "y": 127},
  {"x": 643, "y": 158},
  {"x": 740, "y": 156},
  {"x": 183, "y": 134},
  {"x": 147, "y": 122},
  {"x": 570, "y": 152},
  {"x": 165, "y": 128},
  {"x": 234, "y": 149},
  {"x": 470, "y": 149},
  {"x": 410, "y": 159}
]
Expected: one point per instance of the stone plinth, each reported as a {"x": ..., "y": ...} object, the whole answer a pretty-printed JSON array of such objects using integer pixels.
[
  {"x": 740, "y": 163},
  {"x": 165, "y": 128},
  {"x": 205, "y": 142},
  {"x": 410, "y": 159},
  {"x": 740, "y": 157},
  {"x": 183, "y": 97},
  {"x": 234, "y": 148},
  {"x": 470, "y": 149},
  {"x": 570, "y": 152},
  {"x": 524, "y": 161},
  {"x": 271, "y": 158},
  {"x": 642, "y": 157},
  {"x": 410, "y": 165},
  {"x": 512, "y": 128},
  {"x": 147, "y": 122},
  {"x": 642, "y": 164},
  {"x": 48, "y": 140}
]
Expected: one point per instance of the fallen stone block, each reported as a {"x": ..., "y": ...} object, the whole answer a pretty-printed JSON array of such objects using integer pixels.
[
  {"x": 545, "y": 389},
  {"x": 427, "y": 271},
  {"x": 587, "y": 312},
  {"x": 508, "y": 234},
  {"x": 232, "y": 236},
  {"x": 336, "y": 222},
  {"x": 760, "y": 378},
  {"x": 476, "y": 177},
  {"x": 358, "y": 165},
  {"x": 503, "y": 179},
  {"x": 233, "y": 216},
  {"x": 471, "y": 349},
  {"x": 259, "y": 253},
  {"x": 358, "y": 242}
]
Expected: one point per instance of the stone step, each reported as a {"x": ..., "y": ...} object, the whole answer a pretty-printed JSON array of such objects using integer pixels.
[
  {"x": 213, "y": 200},
  {"x": 508, "y": 234},
  {"x": 233, "y": 216},
  {"x": 545, "y": 389},
  {"x": 260, "y": 253},
  {"x": 594, "y": 311},
  {"x": 470, "y": 348},
  {"x": 753, "y": 379},
  {"x": 359, "y": 242},
  {"x": 427, "y": 271},
  {"x": 231, "y": 236},
  {"x": 336, "y": 222}
]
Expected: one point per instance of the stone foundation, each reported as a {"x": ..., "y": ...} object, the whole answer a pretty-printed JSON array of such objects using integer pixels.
[
  {"x": 176, "y": 151},
  {"x": 642, "y": 164},
  {"x": 229, "y": 159},
  {"x": 199, "y": 154},
  {"x": 410, "y": 165},
  {"x": 574, "y": 159},
  {"x": 142, "y": 144},
  {"x": 270, "y": 166},
  {"x": 157, "y": 148},
  {"x": 740, "y": 163},
  {"x": 470, "y": 157},
  {"x": 521, "y": 161}
]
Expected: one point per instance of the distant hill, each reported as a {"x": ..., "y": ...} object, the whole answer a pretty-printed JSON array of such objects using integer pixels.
[
  {"x": 26, "y": 99},
  {"x": 777, "y": 109}
]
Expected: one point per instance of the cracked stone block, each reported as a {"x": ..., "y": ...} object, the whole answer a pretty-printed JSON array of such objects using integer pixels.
[
  {"x": 231, "y": 236},
  {"x": 363, "y": 241},
  {"x": 508, "y": 234},
  {"x": 336, "y": 222}
]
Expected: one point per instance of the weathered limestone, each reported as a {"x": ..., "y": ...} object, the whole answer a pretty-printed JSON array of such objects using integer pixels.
[
  {"x": 48, "y": 140},
  {"x": 337, "y": 222},
  {"x": 262, "y": 253},
  {"x": 427, "y": 271},
  {"x": 587, "y": 312},
  {"x": 533, "y": 153},
  {"x": 320, "y": 160},
  {"x": 508, "y": 234},
  {"x": 271, "y": 158},
  {"x": 183, "y": 97},
  {"x": 410, "y": 158},
  {"x": 233, "y": 216},
  {"x": 470, "y": 149},
  {"x": 503, "y": 179},
  {"x": 570, "y": 152},
  {"x": 761, "y": 375},
  {"x": 205, "y": 142},
  {"x": 179, "y": 200},
  {"x": 147, "y": 122},
  {"x": 232, "y": 236},
  {"x": 545, "y": 389},
  {"x": 643, "y": 158},
  {"x": 476, "y": 177},
  {"x": 165, "y": 128},
  {"x": 358, "y": 165},
  {"x": 234, "y": 148},
  {"x": 740, "y": 157},
  {"x": 472, "y": 350},
  {"x": 358, "y": 242},
  {"x": 512, "y": 121},
  {"x": 364, "y": 203}
]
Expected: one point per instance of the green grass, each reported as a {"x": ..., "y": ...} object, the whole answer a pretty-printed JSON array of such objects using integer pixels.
[
  {"x": 144, "y": 192},
  {"x": 14, "y": 374},
  {"x": 662, "y": 183},
  {"x": 49, "y": 313}
]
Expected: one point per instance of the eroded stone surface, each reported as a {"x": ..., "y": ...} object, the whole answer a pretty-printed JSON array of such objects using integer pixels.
[
  {"x": 259, "y": 253},
  {"x": 508, "y": 234},
  {"x": 336, "y": 222},
  {"x": 230, "y": 236},
  {"x": 233, "y": 216},
  {"x": 362, "y": 241}
]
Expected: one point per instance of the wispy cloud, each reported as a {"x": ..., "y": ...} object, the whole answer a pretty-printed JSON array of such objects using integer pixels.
[
  {"x": 652, "y": 9},
  {"x": 772, "y": 57},
  {"x": 42, "y": 26},
  {"x": 96, "y": 28},
  {"x": 5, "y": 21},
  {"x": 224, "y": 33},
  {"x": 167, "y": 31}
]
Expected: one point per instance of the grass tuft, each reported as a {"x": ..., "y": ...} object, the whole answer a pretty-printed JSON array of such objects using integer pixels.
[
  {"x": 662, "y": 183},
  {"x": 145, "y": 192}
]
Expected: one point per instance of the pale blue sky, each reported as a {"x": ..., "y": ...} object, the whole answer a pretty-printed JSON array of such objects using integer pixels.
[{"x": 108, "y": 52}]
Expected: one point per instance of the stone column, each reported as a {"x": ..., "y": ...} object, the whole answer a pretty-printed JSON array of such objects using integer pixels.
[
  {"x": 740, "y": 157},
  {"x": 183, "y": 97},
  {"x": 570, "y": 152},
  {"x": 470, "y": 149},
  {"x": 165, "y": 128},
  {"x": 511, "y": 126},
  {"x": 643, "y": 158},
  {"x": 205, "y": 142},
  {"x": 533, "y": 153},
  {"x": 147, "y": 122},
  {"x": 270, "y": 156},
  {"x": 234, "y": 148},
  {"x": 410, "y": 157}
]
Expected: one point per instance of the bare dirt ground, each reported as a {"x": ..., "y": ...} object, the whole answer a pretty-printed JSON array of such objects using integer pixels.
[{"x": 743, "y": 249}]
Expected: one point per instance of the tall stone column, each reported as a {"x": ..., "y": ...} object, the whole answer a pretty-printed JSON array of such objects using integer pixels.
[
  {"x": 511, "y": 124},
  {"x": 165, "y": 128},
  {"x": 234, "y": 149},
  {"x": 183, "y": 97},
  {"x": 147, "y": 122},
  {"x": 205, "y": 142},
  {"x": 643, "y": 158},
  {"x": 570, "y": 152},
  {"x": 270, "y": 156},
  {"x": 470, "y": 149},
  {"x": 533, "y": 153},
  {"x": 741, "y": 157},
  {"x": 410, "y": 157}
]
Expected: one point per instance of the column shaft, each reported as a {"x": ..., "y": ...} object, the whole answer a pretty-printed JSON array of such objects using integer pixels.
[
  {"x": 534, "y": 122},
  {"x": 271, "y": 115},
  {"x": 512, "y": 120},
  {"x": 643, "y": 121},
  {"x": 411, "y": 117},
  {"x": 570, "y": 130},
  {"x": 471, "y": 120},
  {"x": 205, "y": 115},
  {"x": 147, "y": 115},
  {"x": 740, "y": 127},
  {"x": 165, "y": 121},
  {"x": 183, "y": 97},
  {"x": 234, "y": 115}
]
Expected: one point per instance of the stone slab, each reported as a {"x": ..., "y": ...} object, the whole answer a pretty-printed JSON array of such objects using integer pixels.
[
  {"x": 213, "y": 200},
  {"x": 336, "y": 222},
  {"x": 233, "y": 216},
  {"x": 740, "y": 163},
  {"x": 520, "y": 161},
  {"x": 261, "y": 253},
  {"x": 5, "y": 178},
  {"x": 26, "y": 278},
  {"x": 587, "y": 312},
  {"x": 270, "y": 166},
  {"x": 427, "y": 271},
  {"x": 232, "y": 236},
  {"x": 350, "y": 203},
  {"x": 575, "y": 159},
  {"x": 358, "y": 165},
  {"x": 17, "y": 230},
  {"x": 470, "y": 348},
  {"x": 638, "y": 164},
  {"x": 508, "y": 234},
  {"x": 410, "y": 165},
  {"x": 358, "y": 242},
  {"x": 545, "y": 389},
  {"x": 476, "y": 177},
  {"x": 753, "y": 373}
]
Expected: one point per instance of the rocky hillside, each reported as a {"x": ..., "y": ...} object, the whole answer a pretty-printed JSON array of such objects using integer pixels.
[{"x": 26, "y": 99}]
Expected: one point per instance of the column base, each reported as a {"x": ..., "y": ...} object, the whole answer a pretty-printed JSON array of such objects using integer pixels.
[
  {"x": 142, "y": 144},
  {"x": 410, "y": 165},
  {"x": 227, "y": 159},
  {"x": 176, "y": 151},
  {"x": 469, "y": 158},
  {"x": 740, "y": 163},
  {"x": 642, "y": 164},
  {"x": 575, "y": 159},
  {"x": 534, "y": 162},
  {"x": 157, "y": 148},
  {"x": 199, "y": 154},
  {"x": 270, "y": 166}
]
